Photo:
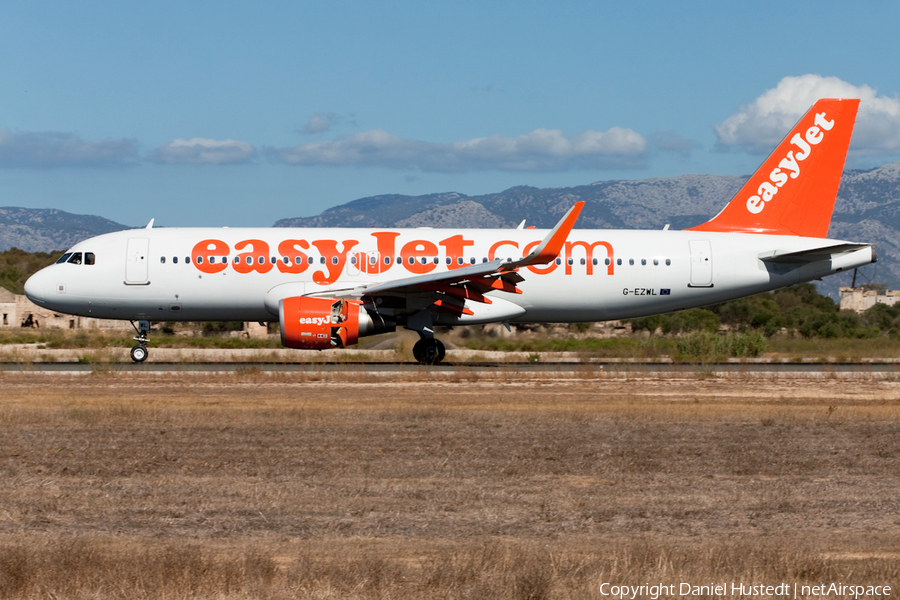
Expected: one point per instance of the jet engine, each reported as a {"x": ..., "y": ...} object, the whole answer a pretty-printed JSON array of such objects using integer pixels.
[{"x": 321, "y": 323}]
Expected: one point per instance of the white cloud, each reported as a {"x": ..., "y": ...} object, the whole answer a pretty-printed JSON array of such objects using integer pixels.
[
  {"x": 202, "y": 151},
  {"x": 540, "y": 150},
  {"x": 322, "y": 122},
  {"x": 759, "y": 126},
  {"x": 53, "y": 149}
]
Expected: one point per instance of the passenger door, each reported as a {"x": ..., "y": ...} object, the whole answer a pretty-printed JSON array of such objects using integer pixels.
[
  {"x": 701, "y": 264},
  {"x": 137, "y": 261}
]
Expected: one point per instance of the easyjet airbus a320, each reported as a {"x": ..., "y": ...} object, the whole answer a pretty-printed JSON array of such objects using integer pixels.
[{"x": 329, "y": 287}]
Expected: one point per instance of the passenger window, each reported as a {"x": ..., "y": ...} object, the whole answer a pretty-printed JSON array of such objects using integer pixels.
[
  {"x": 449, "y": 260},
  {"x": 322, "y": 260},
  {"x": 472, "y": 261},
  {"x": 75, "y": 258},
  {"x": 187, "y": 260},
  {"x": 594, "y": 261},
  {"x": 619, "y": 261},
  {"x": 273, "y": 260},
  {"x": 606, "y": 262},
  {"x": 460, "y": 260},
  {"x": 174, "y": 260},
  {"x": 89, "y": 258},
  {"x": 199, "y": 259},
  {"x": 297, "y": 259},
  {"x": 655, "y": 262},
  {"x": 644, "y": 261},
  {"x": 668, "y": 261},
  {"x": 571, "y": 261},
  {"x": 559, "y": 261},
  {"x": 334, "y": 260},
  {"x": 352, "y": 260},
  {"x": 162, "y": 259},
  {"x": 373, "y": 260},
  {"x": 309, "y": 260},
  {"x": 64, "y": 258},
  {"x": 631, "y": 261},
  {"x": 387, "y": 260}
]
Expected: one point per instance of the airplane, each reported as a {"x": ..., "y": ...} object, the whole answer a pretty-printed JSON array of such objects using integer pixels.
[{"x": 328, "y": 287}]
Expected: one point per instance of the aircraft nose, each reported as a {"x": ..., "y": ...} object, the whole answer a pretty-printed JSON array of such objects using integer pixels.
[{"x": 37, "y": 288}]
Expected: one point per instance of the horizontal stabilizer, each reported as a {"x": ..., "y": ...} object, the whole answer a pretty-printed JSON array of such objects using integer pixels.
[{"x": 813, "y": 254}]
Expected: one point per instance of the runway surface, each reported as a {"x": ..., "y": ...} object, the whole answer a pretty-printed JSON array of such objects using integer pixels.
[{"x": 886, "y": 367}]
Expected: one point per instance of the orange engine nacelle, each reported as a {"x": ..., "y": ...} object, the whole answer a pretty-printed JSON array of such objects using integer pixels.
[{"x": 319, "y": 323}]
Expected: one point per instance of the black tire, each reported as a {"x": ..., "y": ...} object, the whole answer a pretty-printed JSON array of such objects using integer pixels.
[
  {"x": 139, "y": 353},
  {"x": 429, "y": 351}
]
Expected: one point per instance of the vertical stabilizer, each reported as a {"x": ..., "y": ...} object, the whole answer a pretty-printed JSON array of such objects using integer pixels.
[{"x": 793, "y": 192}]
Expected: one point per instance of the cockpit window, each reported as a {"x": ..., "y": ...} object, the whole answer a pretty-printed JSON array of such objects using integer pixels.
[
  {"x": 88, "y": 258},
  {"x": 75, "y": 259},
  {"x": 64, "y": 258}
]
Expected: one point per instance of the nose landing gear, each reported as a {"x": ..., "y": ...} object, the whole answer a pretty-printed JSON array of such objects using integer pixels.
[{"x": 140, "y": 353}]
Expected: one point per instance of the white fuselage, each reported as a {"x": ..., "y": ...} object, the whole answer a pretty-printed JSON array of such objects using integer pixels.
[{"x": 154, "y": 274}]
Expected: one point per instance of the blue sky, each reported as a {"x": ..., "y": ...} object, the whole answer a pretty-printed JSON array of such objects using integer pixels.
[{"x": 227, "y": 113}]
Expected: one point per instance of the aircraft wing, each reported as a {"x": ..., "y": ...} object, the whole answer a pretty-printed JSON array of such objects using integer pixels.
[{"x": 451, "y": 289}]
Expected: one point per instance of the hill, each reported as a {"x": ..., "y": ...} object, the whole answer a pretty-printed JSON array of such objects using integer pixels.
[
  {"x": 867, "y": 209},
  {"x": 46, "y": 230}
]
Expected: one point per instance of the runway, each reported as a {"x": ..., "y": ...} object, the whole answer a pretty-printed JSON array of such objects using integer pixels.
[{"x": 624, "y": 367}]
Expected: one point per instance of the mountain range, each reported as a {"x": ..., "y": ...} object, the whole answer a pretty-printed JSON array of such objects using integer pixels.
[
  {"x": 47, "y": 230},
  {"x": 867, "y": 209}
]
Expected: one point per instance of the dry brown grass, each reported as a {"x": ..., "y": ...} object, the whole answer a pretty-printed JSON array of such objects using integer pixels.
[{"x": 506, "y": 485}]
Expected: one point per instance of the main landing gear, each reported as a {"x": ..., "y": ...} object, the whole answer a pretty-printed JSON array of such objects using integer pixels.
[
  {"x": 429, "y": 351},
  {"x": 140, "y": 353}
]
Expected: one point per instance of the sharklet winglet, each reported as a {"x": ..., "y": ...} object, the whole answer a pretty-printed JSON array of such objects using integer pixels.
[{"x": 551, "y": 246}]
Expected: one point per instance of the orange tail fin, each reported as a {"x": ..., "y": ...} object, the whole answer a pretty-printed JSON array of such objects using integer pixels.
[{"x": 793, "y": 192}]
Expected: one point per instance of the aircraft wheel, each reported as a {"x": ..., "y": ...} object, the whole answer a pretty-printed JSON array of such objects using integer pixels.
[
  {"x": 139, "y": 353},
  {"x": 429, "y": 351}
]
